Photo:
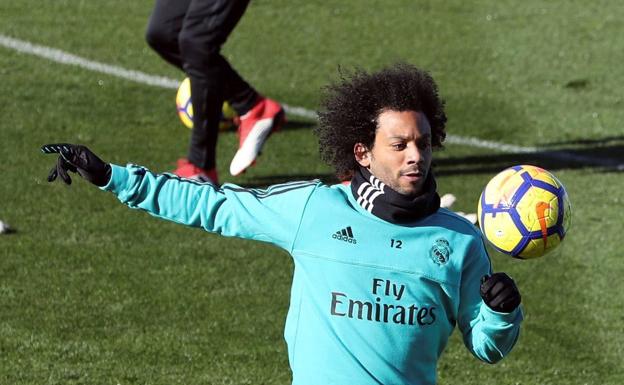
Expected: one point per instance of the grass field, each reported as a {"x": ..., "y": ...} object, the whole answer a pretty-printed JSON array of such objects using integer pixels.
[{"x": 93, "y": 293}]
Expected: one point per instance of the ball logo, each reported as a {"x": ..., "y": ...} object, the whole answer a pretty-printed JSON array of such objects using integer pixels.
[
  {"x": 540, "y": 209},
  {"x": 440, "y": 252}
]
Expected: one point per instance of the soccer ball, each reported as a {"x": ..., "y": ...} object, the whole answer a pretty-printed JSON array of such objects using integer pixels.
[
  {"x": 185, "y": 108},
  {"x": 524, "y": 211}
]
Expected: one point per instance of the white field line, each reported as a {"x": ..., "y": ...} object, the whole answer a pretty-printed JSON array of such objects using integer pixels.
[{"x": 63, "y": 57}]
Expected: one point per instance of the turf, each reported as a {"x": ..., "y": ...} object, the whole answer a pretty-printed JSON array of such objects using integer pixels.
[{"x": 92, "y": 293}]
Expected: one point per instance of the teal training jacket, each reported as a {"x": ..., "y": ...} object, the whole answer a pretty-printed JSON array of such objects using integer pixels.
[{"x": 371, "y": 302}]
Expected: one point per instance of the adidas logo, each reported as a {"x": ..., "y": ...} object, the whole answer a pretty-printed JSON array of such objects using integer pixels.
[{"x": 345, "y": 234}]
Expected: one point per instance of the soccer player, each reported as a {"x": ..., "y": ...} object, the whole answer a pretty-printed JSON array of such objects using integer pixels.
[
  {"x": 382, "y": 273},
  {"x": 189, "y": 34}
]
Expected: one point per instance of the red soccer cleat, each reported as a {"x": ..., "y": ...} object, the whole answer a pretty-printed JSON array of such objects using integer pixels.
[
  {"x": 255, "y": 127},
  {"x": 188, "y": 170}
]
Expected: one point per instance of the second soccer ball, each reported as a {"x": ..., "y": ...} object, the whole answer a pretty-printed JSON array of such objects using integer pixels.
[{"x": 184, "y": 106}]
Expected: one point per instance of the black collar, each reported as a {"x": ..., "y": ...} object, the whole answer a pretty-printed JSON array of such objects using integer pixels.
[{"x": 383, "y": 202}]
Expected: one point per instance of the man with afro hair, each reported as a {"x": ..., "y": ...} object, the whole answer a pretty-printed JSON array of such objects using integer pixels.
[{"x": 383, "y": 274}]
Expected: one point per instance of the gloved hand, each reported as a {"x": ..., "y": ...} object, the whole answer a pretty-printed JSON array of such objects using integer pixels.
[
  {"x": 500, "y": 293},
  {"x": 77, "y": 158}
]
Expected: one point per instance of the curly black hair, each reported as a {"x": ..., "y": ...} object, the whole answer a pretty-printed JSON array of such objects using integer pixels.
[{"x": 351, "y": 106}]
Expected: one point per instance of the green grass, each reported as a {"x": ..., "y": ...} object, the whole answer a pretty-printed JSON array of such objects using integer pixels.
[{"x": 92, "y": 293}]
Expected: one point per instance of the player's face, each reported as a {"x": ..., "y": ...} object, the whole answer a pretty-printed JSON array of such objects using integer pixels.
[{"x": 401, "y": 153}]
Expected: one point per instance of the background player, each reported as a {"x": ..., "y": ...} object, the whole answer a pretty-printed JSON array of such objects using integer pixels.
[{"x": 189, "y": 34}]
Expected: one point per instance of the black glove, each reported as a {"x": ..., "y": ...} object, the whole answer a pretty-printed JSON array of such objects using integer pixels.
[
  {"x": 500, "y": 293},
  {"x": 77, "y": 158}
]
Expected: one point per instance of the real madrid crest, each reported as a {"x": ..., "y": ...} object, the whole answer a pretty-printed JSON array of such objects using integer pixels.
[{"x": 440, "y": 251}]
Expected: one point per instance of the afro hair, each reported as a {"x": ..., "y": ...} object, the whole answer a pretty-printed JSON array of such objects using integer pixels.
[{"x": 350, "y": 109}]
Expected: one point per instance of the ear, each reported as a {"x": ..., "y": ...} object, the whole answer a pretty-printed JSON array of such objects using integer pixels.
[{"x": 362, "y": 155}]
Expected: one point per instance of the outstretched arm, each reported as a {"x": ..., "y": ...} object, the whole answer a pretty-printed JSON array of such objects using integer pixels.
[{"x": 271, "y": 215}]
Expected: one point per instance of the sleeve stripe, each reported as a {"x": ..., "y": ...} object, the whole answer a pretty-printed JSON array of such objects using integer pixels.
[
  {"x": 258, "y": 193},
  {"x": 273, "y": 190},
  {"x": 191, "y": 181}
]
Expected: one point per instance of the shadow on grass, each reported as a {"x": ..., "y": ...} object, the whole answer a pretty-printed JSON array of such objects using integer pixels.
[
  {"x": 603, "y": 158},
  {"x": 298, "y": 125},
  {"x": 587, "y": 142}
]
